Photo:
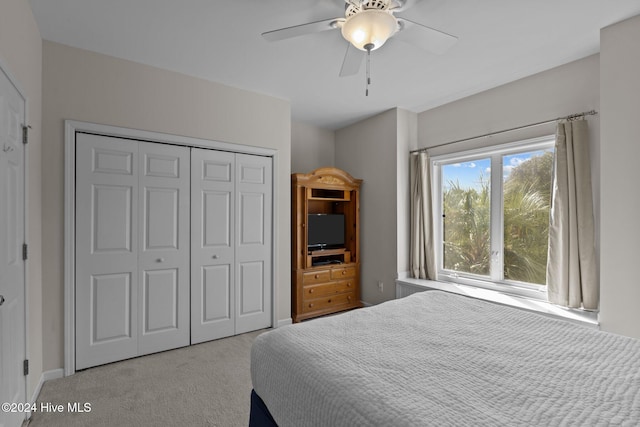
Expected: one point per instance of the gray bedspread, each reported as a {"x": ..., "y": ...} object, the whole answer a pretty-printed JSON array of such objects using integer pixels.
[{"x": 438, "y": 359}]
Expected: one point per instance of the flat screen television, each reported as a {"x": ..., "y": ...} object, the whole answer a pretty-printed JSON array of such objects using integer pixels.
[{"x": 325, "y": 231}]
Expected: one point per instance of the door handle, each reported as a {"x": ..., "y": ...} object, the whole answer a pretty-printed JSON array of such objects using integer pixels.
[
  {"x": 1, "y": 299},
  {"x": 160, "y": 260}
]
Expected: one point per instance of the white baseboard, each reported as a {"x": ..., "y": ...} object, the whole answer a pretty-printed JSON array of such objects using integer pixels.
[
  {"x": 284, "y": 322},
  {"x": 46, "y": 376}
]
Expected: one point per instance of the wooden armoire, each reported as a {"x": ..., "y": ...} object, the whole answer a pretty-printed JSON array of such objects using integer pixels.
[{"x": 324, "y": 279}]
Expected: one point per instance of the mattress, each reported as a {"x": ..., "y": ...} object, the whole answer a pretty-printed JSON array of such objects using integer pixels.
[{"x": 435, "y": 358}]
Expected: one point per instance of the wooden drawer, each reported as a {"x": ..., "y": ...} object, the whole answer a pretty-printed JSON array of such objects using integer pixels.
[
  {"x": 318, "y": 276},
  {"x": 343, "y": 273},
  {"x": 328, "y": 302},
  {"x": 327, "y": 289}
]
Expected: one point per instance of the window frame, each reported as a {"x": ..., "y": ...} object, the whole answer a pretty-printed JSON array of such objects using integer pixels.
[{"x": 495, "y": 281}]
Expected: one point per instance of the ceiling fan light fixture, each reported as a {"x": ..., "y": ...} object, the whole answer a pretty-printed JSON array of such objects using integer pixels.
[{"x": 369, "y": 27}]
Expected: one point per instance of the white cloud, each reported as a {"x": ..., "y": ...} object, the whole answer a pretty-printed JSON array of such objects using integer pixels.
[
  {"x": 516, "y": 161},
  {"x": 471, "y": 165}
]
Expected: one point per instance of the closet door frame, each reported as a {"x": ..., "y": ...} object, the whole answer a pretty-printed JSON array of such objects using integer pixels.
[{"x": 71, "y": 128}]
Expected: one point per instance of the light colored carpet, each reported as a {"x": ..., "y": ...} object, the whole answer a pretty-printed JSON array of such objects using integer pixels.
[{"x": 206, "y": 384}]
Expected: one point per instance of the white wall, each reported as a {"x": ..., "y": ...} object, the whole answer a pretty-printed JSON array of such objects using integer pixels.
[
  {"x": 312, "y": 147},
  {"x": 367, "y": 150},
  {"x": 21, "y": 54},
  {"x": 91, "y": 87},
  {"x": 620, "y": 231}
]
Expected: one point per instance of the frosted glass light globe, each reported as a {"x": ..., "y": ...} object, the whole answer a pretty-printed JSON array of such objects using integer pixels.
[{"x": 369, "y": 27}]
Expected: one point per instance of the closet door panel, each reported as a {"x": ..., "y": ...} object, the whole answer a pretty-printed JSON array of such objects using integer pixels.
[
  {"x": 106, "y": 250},
  {"x": 216, "y": 293},
  {"x": 164, "y": 262},
  {"x": 212, "y": 245},
  {"x": 253, "y": 247}
]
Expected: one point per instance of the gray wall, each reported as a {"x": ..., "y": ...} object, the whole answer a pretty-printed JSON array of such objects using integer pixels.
[
  {"x": 91, "y": 87},
  {"x": 311, "y": 147},
  {"x": 568, "y": 89},
  {"x": 407, "y": 141},
  {"x": 620, "y": 236},
  {"x": 369, "y": 150}
]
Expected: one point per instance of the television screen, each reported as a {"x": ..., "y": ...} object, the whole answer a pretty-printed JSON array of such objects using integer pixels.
[{"x": 325, "y": 231}]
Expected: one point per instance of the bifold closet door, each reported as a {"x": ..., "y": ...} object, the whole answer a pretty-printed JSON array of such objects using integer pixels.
[
  {"x": 254, "y": 190},
  {"x": 163, "y": 258},
  {"x": 212, "y": 245},
  {"x": 231, "y": 196},
  {"x": 132, "y": 248}
]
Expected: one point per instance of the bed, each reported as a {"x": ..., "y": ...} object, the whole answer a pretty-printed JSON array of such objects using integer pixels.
[{"x": 436, "y": 358}]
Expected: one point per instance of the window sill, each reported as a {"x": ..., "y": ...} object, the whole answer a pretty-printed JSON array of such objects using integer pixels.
[{"x": 407, "y": 286}]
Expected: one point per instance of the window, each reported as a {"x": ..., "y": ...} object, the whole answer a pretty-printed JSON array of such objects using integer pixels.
[{"x": 492, "y": 216}]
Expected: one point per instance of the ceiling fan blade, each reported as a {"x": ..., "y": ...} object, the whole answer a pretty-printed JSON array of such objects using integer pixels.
[
  {"x": 402, "y": 5},
  {"x": 424, "y": 37},
  {"x": 352, "y": 61},
  {"x": 301, "y": 30}
]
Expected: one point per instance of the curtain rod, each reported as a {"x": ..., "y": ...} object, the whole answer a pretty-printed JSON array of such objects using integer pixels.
[{"x": 570, "y": 117}]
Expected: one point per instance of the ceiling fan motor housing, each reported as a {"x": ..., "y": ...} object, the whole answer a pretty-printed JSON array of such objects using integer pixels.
[{"x": 354, "y": 8}]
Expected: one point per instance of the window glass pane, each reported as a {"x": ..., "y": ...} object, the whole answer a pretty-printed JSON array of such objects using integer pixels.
[
  {"x": 527, "y": 200},
  {"x": 466, "y": 223}
]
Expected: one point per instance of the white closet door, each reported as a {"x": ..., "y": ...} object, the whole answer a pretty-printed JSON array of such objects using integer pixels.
[
  {"x": 253, "y": 242},
  {"x": 212, "y": 245},
  {"x": 132, "y": 248},
  {"x": 163, "y": 259},
  {"x": 12, "y": 279},
  {"x": 106, "y": 249}
]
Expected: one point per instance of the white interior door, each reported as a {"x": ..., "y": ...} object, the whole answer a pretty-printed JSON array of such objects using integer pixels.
[
  {"x": 106, "y": 249},
  {"x": 12, "y": 266},
  {"x": 253, "y": 242},
  {"x": 163, "y": 259},
  {"x": 212, "y": 245}
]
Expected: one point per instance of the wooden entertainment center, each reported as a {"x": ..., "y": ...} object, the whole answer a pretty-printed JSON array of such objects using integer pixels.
[{"x": 324, "y": 280}]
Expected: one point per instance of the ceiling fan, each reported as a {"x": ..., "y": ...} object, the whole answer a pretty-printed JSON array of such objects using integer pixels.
[{"x": 367, "y": 25}]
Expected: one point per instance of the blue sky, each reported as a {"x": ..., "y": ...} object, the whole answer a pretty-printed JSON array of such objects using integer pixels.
[{"x": 468, "y": 174}]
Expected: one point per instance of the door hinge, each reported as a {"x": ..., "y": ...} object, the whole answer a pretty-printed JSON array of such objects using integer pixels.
[
  {"x": 25, "y": 367},
  {"x": 25, "y": 134},
  {"x": 24, "y": 251}
]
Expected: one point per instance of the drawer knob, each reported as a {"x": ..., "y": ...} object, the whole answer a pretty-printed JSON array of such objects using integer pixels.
[
  {"x": 329, "y": 300},
  {"x": 348, "y": 284},
  {"x": 310, "y": 305},
  {"x": 316, "y": 276},
  {"x": 348, "y": 298},
  {"x": 311, "y": 291},
  {"x": 344, "y": 272}
]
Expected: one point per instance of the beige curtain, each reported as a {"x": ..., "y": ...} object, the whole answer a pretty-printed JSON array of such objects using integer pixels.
[
  {"x": 571, "y": 267},
  {"x": 422, "y": 262}
]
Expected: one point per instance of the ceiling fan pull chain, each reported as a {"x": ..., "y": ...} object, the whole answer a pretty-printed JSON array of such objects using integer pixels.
[{"x": 368, "y": 47}]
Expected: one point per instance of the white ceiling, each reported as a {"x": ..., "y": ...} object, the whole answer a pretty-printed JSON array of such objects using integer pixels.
[{"x": 219, "y": 40}]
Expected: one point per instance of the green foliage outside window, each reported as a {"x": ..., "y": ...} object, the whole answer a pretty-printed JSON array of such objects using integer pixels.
[
  {"x": 526, "y": 202},
  {"x": 466, "y": 228}
]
